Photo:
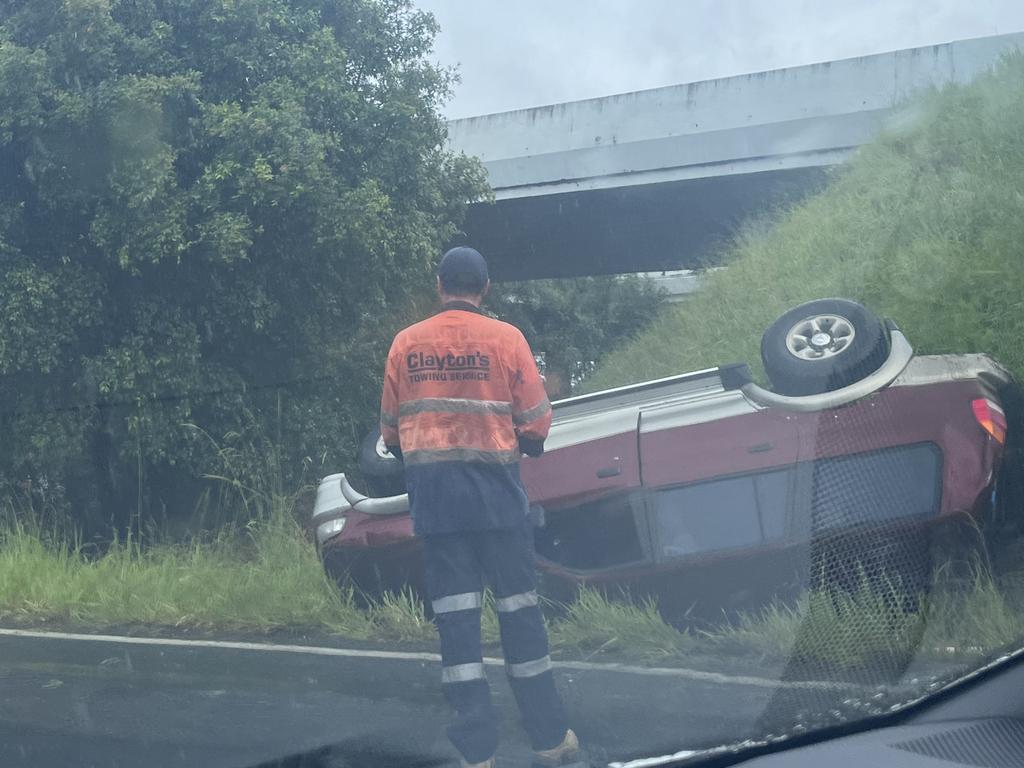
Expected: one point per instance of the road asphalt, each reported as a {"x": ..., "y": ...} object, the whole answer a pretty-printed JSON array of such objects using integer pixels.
[{"x": 77, "y": 700}]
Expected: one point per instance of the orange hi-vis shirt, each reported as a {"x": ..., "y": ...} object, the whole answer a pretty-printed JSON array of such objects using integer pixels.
[{"x": 460, "y": 390}]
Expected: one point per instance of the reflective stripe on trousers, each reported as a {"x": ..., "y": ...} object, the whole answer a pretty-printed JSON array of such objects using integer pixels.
[
  {"x": 467, "y": 601},
  {"x": 515, "y": 602},
  {"x": 529, "y": 668},
  {"x": 462, "y": 673}
]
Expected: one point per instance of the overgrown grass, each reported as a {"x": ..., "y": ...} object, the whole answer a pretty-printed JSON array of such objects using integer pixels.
[
  {"x": 402, "y": 617},
  {"x": 963, "y": 618},
  {"x": 266, "y": 578},
  {"x": 978, "y": 617},
  {"x": 593, "y": 624},
  {"x": 967, "y": 619},
  {"x": 924, "y": 225},
  {"x": 841, "y": 630},
  {"x": 269, "y": 578}
]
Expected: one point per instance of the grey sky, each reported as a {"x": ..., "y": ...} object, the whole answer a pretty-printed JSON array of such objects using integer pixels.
[{"x": 522, "y": 53}]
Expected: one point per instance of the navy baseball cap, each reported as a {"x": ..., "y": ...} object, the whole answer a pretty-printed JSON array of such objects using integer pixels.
[{"x": 463, "y": 272}]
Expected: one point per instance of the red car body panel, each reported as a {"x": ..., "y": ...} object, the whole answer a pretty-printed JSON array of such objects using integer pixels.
[
  {"x": 593, "y": 469},
  {"x": 732, "y": 445},
  {"x": 934, "y": 413},
  {"x": 650, "y": 453}
]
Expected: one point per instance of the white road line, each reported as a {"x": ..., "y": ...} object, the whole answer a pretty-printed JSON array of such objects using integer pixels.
[
  {"x": 703, "y": 676},
  {"x": 354, "y": 653},
  {"x": 652, "y": 762}
]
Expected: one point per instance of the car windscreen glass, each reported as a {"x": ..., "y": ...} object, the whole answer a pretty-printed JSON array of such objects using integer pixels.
[{"x": 465, "y": 378}]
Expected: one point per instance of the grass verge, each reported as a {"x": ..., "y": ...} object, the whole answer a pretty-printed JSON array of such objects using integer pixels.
[
  {"x": 594, "y": 625},
  {"x": 967, "y": 618},
  {"x": 266, "y": 578},
  {"x": 269, "y": 578}
]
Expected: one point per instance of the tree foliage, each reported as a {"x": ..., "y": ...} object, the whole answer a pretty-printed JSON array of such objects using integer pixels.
[
  {"x": 206, "y": 211},
  {"x": 573, "y": 324}
]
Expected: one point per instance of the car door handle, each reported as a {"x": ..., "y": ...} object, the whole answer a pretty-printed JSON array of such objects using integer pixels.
[
  {"x": 609, "y": 472},
  {"x": 760, "y": 448}
]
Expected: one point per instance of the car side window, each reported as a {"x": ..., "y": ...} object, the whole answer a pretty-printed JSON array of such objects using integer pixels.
[
  {"x": 875, "y": 487},
  {"x": 731, "y": 513}
]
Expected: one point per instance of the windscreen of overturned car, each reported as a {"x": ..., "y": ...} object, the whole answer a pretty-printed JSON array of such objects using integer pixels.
[{"x": 777, "y": 317}]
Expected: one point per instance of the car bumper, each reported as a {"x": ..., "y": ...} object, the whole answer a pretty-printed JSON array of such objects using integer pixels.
[{"x": 342, "y": 515}]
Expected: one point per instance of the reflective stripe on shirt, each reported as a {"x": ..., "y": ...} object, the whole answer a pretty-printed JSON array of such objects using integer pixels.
[
  {"x": 525, "y": 417},
  {"x": 454, "y": 405},
  {"x": 434, "y": 456}
]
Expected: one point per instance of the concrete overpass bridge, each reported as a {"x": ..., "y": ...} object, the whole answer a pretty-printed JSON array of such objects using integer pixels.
[{"x": 664, "y": 178}]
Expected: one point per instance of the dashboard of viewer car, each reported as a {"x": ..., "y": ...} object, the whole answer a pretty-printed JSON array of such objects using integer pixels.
[{"x": 978, "y": 723}]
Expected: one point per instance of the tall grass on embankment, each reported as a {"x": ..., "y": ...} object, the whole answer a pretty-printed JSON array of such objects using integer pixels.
[
  {"x": 264, "y": 578},
  {"x": 924, "y": 225}
]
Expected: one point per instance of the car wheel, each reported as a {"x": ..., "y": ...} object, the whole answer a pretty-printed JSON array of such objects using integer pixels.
[
  {"x": 823, "y": 345},
  {"x": 384, "y": 474}
]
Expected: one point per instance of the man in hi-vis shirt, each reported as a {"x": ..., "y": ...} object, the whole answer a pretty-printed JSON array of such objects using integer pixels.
[{"x": 462, "y": 401}]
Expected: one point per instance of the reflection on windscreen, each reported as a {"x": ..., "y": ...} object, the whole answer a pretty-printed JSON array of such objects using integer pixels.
[{"x": 783, "y": 376}]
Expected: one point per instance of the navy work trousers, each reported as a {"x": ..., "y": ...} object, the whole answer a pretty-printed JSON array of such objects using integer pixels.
[{"x": 458, "y": 565}]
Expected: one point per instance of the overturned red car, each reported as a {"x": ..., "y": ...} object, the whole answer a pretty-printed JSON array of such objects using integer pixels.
[{"x": 707, "y": 490}]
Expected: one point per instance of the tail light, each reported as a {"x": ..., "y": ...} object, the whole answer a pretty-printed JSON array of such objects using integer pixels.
[{"x": 991, "y": 418}]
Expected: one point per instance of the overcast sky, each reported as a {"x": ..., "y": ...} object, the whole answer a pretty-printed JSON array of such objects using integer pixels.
[{"x": 524, "y": 53}]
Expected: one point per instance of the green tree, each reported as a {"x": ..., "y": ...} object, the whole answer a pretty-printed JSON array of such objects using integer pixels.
[
  {"x": 573, "y": 324},
  {"x": 206, "y": 211}
]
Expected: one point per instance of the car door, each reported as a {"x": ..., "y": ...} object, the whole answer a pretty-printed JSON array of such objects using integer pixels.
[
  {"x": 873, "y": 463},
  {"x": 689, "y": 442},
  {"x": 590, "y": 523},
  {"x": 719, "y": 477},
  {"x": 587, "y": 456}
]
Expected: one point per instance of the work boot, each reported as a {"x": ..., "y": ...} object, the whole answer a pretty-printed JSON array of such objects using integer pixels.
[{"x": 565, "y": 753}]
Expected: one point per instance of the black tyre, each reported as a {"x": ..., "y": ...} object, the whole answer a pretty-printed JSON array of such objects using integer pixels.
[
  {"x": 823, "y": 345},
  {"x": 384, "y": 474}
]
